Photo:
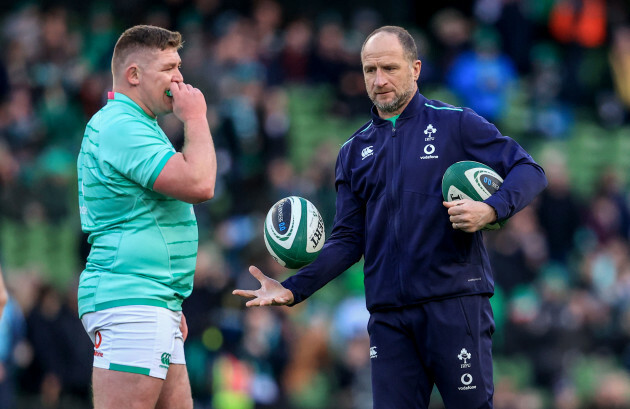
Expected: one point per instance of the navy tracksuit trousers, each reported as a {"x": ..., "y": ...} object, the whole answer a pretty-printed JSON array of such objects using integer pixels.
[{"x": 447, "y": 343}]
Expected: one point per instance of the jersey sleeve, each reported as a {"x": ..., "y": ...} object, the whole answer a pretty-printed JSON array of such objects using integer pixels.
[
  {"x": 136, "y": 150},
  {"x": 523, "y": 177}
]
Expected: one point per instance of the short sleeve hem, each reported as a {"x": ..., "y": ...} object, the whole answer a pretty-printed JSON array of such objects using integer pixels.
[{"x": 159, "y": 168}]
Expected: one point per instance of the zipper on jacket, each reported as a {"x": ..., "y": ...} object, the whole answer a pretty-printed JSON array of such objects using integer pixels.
[{"x": 395, "y": 201}]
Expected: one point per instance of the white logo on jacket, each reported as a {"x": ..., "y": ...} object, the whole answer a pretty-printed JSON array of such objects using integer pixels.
[
  {"x": 429, "y": 132},
  {"x": 369, "y": 151},
  {"x": 429, "y": 149}
]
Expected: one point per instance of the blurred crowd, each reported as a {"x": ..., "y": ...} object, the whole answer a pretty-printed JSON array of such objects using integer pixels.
[{"x": 540, "y": 70}]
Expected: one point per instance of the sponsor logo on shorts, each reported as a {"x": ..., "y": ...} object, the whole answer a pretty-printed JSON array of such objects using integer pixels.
[
  {"x": 466, "y": 381},
  {"x": 97, "y": 343},
  {"x": 166, "y": 360},
  {"x": 373, "y": 353}
]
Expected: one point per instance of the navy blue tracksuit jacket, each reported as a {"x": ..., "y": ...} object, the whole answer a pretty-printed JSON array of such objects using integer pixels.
[{"x": 389, "y": 206}]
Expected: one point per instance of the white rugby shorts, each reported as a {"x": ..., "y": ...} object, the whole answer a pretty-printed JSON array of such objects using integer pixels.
[{"x": 136, "y": 338}]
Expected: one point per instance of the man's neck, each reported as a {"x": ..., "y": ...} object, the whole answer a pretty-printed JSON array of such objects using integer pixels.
[{"x": 132, "y": 95}]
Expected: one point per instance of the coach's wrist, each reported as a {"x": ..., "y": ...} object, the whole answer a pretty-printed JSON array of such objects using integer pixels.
[{"x": 495, "y": 215}]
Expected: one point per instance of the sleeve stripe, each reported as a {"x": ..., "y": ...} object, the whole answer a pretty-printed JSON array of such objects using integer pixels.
[
  {"x": 180, "y": 224},
  {"x": 159, "y": 168},
  {"x": 183, "y": 257}
]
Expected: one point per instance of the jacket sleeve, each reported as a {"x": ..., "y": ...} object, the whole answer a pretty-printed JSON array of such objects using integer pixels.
[
  {"x": 342, "y": 249},
  {"x": 523, "y": 178}
]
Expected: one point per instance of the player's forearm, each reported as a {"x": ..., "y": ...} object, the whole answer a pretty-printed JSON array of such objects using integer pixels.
[{"x": 199, "y": 154}]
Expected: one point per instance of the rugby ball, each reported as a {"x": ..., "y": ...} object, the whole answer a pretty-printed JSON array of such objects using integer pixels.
[
  {"x": 471, "y": 180},
  {"x": 294, "y": 232}
]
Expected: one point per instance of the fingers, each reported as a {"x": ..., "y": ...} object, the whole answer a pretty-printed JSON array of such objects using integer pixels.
[
  {"x": 178, "y": 87},
  {"x": 270, "y": 292},
  {"x": 259, "y": 302},
  {"x": 457, "y": 213},
  {"x": 461, "y": 226},
  {"x": 454, "y": 203},
  {"x": 258, "y": 275},
  {"x": 245, "y": 293},
  {"x": 263, "y": 302}
]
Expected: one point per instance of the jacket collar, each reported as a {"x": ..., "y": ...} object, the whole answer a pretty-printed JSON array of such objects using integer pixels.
[{"x": 412, "y": 109}]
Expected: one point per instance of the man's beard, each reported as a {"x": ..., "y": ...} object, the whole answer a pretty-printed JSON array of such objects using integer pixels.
[{"x": 395, "y": 104}]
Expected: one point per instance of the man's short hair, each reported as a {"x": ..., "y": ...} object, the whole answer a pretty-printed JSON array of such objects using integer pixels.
[
  {"x": 410, "y": 51},
  {"x": 143, "y": 37}
]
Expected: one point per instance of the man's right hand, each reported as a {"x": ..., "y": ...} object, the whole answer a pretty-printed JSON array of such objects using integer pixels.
[
  {"x": 271, "y": 292},
  {"x": 188, "y": 102}
]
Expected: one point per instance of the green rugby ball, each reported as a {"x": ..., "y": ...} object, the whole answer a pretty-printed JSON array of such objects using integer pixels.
[
  {"x": 294, "y": 232},
  {"x": 471, "y": 180}
]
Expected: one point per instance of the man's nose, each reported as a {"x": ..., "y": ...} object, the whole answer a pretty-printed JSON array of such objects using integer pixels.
[
  {"x": 380, "y": 79},
  {"x": 178, "y": 77}
]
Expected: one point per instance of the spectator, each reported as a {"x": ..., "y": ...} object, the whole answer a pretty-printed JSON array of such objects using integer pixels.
[{"x": 482, "y": 78}]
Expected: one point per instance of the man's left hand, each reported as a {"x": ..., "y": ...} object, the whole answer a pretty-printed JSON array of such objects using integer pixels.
[{"x": 470, "y": 216}]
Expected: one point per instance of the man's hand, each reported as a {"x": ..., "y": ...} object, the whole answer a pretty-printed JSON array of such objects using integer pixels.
[
  {"x": 470, "y": 216},
  {"x": 270, "y": 292},
  {"x": 188, "y": 102},
  {"x": 190, "y": 175}
]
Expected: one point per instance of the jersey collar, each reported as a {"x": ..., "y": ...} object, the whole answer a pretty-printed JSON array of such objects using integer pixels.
[{"x": 114, "y": 97}]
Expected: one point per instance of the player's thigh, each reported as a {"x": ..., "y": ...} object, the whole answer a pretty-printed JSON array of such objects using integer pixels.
[
  {"x": 115, "y": 390},
  {"x": 176, "y": 392},
  {"x": 400, "y": 380}
]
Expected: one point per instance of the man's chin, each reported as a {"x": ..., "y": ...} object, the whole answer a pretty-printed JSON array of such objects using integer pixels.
[{"x": 390, "y": 106}]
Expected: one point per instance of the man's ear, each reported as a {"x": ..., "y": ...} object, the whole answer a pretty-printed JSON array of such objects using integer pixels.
[
  {"x": 417, "y": 67},
  {"x": 132, "y": 73}
]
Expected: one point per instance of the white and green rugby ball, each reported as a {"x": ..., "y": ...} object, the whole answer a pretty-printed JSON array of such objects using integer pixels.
[
  {"x": 471, "y": 180},
  {"x": 294, "y": 232}
]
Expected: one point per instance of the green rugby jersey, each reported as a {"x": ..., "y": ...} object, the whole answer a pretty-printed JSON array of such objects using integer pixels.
[{"x": 144, "y": 244}]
